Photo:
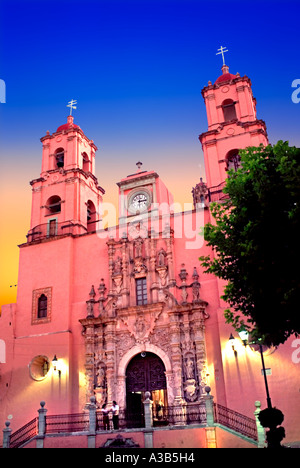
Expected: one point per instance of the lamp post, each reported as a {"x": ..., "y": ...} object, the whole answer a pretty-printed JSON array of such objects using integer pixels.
[
  {"x": 269, "y": 417},
  {"x": 244, "y": 335}
]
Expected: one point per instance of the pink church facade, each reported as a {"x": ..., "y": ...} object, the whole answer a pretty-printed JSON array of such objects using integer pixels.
[{"x": 128, "y": 309}]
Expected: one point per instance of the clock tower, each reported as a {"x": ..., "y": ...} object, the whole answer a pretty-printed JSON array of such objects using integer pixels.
[{"x": 141, "y": 195}]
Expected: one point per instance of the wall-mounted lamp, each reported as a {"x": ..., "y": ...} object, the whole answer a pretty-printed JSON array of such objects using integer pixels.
[
  {"x": 232, "y": 344},
  {"x": 55, "y": 366}
]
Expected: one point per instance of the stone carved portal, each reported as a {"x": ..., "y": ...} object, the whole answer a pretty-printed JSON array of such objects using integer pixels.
[
  {"x": 145, "y": 372},
  {"x": 167, "y": 329}
]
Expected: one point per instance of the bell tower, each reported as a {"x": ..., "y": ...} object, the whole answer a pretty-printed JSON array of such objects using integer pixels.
[
  {"x": 232, "y": 124},
  {"x": 66, "y": 197}
]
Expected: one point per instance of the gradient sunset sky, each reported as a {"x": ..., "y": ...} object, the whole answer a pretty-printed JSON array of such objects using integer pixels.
[{"x": 136, "y": 68}]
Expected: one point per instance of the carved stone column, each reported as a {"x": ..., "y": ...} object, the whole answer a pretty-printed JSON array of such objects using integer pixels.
[
  {"x": 120, "y": 391},
  {"x": 109, "y": 337},
  {"x": 89, "y": 360},
  {"x": 170, "y": 256},
  {"x": 111, "y": 250},
  {"x": 152, "y": 263},
  {"x": 198, "y": 327},
  {"x": 125, "y": 263},
  {"x": 179, "y": 405}
]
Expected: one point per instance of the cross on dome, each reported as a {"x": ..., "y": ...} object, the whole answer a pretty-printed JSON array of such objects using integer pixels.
[
  {"x": 222, "y": 52},
  {"x": 71, "y": 104}
]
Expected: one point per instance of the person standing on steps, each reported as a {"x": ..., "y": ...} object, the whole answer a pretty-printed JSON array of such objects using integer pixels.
[
  {"x": 115, "y": 413},
  {"x": 105, "y": 415}
]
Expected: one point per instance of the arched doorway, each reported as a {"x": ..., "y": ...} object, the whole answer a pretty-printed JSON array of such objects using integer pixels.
[{"x": 145, "y": 373}]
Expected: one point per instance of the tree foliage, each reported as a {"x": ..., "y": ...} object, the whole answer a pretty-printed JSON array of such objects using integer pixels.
[{"x": 255, "y": 238}]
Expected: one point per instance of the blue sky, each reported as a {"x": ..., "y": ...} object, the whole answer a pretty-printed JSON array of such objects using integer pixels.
[{"x": 137, "y": 69}]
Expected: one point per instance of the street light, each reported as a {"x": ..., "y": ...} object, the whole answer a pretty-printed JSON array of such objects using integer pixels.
[{"x": 244, "y": 336}]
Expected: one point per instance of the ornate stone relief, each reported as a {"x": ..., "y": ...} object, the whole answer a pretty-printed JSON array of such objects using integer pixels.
[
  {"x": 140, "y": 325},
  {"x": 115, "y": 324}
]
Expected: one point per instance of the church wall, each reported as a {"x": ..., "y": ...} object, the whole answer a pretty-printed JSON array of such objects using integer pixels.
[
  {"x": 45, "y": 265},
  {"x": 179, "y": 438},
  {"x": 20, "y": 393},
  {"x": 227, "y": 440},
  {"x": 67, "y": 441}
]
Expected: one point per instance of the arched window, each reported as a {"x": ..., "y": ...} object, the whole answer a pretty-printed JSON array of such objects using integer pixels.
[
  {"x": 233, "y": 160},
  {"x": 54, "y": 204},
  {"x": 60, "y": 157},
  {"x": 85, "y": 162},
  {"x": 91, "y": 216},
  {"x": 42, "y": 306},
  {"x": 229, "y": 111}
]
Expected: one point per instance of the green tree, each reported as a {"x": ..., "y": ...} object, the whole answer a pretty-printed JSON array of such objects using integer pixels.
[{"x": 255, "y": 238}]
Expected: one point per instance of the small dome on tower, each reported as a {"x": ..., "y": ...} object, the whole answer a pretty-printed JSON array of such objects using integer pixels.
[
  {"x": 226, "y": 76},
  {"x": 68, "y": 125}
]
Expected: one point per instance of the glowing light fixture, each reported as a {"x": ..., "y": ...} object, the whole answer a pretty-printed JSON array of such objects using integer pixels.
[
  {"x": 55, "y": 365},
  {"x": 232, "y": 341}
]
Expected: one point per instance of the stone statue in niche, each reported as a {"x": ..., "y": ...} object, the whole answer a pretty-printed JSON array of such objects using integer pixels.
[
  {"x": 190, "y": 384},
  {"x": 100, "y": 384},
  {"x": 189, "y": 368},
  {"x": 100, "y": 377},
  {"x": 118, "y": 266},
  {"x": 161, "y": 258},
  {"x": 196, "y": 287},
  {"x": 161, "y": 268},
  {"x": 138, "y": 247}
]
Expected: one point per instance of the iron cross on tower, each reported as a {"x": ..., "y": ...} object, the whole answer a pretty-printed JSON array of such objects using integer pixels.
[
  {"x": 222, "y": 51},
  {"x": 71, "y": 104}
]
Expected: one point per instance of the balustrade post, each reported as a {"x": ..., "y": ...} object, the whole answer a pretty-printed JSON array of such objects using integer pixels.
[
  {"x": 41, "y": 425},
  {"x": 42, "y": 419},
  {"x": 148, "y": 411},
  {"x": 92, "y": 407},
  {"x": 92, "y": 415},
  {"x": 261, "y": 435},
  {"x": 148, "y": 433},
  {"x": 6, "y": 435},
  {"x": 209, "y": 406}
]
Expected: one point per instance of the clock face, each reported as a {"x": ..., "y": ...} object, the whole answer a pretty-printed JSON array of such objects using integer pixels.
[{"x": 139, "y": 202}]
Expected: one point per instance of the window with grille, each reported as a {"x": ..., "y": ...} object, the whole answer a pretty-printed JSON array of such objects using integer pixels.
[
  {"x": 141, "y": 291},
  {"x": 42, "y": 307}
]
